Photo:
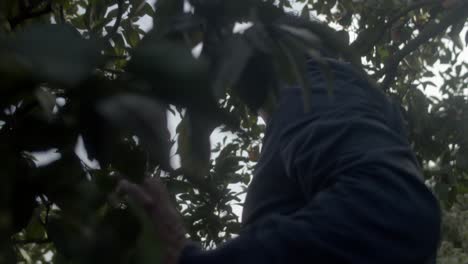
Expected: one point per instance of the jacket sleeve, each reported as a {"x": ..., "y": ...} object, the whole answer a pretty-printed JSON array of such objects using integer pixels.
[{"x": 367, "y": 202}]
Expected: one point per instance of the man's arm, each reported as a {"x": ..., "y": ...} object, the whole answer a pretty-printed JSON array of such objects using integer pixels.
[
  {"x": 371, "y": 206},
  {"x": 366, "y": 199}
]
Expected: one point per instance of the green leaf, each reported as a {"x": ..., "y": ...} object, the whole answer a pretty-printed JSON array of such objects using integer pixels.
[
  {"x": 173, "y": 75},
  {"x": 295, "y": 55},
  {"x": 148, "y": 247},
  {"x": 454, "y": 34},
  {"x": 237, "y": 54},
  {"x": 47, "y": 101},
  {"x": 442, "y": 191},
  {"x": 111, "y": 237},
  {"x": 130, "y": 159},
  {"x": 195, "y": 147},
  {"x": 49, "y": 133},
  {"x": 311, "y": 39},
  {"x": 172, "y": 59},
  {"x": 133, "y": 38},
  {"x": 383, "y": 53},
  {"x": 258, "y": 82},
  {"x": 144, "y": 117},
  {"x": 9, "y": 8},
  {"x": 305, "y": 13},
  {"x": 35, "y": 229},
  {"x": 59, "y": 181},
  {"x": 23, "y": 202},
  {"x": 119, "y": 41},
  {"x": 56, "y": 53},
  {"x": 144, "y": 9},
  {"x": 166, "y": 10},
  {"x": 79, "y": 22},
  {"x": 69, "y": 238},
  {"x": 118, "y": 235},
  {"x": 462, "y": 159}
]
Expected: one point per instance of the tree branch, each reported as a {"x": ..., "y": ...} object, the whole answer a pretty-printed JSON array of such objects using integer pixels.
[
  {"x": 118, "y": 20},
  {"x": 367, "y": 39},
  {"x": 430, "y": 31},
  {"x": 62, "y": 14},
  {"x": 414, "y": 6},
  {"x": 15, "y": 21}
]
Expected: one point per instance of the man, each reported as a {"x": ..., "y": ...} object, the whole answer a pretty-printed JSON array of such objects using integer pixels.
[{"x": 336, "y": 184}]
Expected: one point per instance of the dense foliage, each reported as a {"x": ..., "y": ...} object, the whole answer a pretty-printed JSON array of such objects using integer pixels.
[{"x": 84, "y": 71}]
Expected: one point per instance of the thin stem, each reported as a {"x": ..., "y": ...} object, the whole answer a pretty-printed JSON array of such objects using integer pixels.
[{"x": 118, "y": 20}]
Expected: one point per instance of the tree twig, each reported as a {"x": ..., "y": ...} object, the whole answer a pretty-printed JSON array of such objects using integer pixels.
[
  {"x": 366, "y": 40},
  {"x": 48, "y": 206},
  {"x": 46, "y": 220},
  {"x": 62, "y": 14},
  {"x": 118, "y": 20},
  {"x": 413, "y": 6},
  {"x": 431, "y": 30}
]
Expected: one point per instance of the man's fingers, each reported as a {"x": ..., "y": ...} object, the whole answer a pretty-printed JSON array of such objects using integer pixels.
[{"x": 134, "y": 191}]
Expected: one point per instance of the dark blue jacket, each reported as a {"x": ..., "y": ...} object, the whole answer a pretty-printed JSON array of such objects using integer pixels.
[{"x": 336, "y": 184}]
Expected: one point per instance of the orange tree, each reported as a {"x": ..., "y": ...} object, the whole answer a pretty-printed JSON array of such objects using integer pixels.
[{"x": 86, "y": 69}]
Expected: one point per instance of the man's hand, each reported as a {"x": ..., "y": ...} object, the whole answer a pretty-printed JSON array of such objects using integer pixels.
[{"x": 153, "y": 196}]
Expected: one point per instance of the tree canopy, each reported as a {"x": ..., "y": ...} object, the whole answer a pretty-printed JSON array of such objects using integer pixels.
[{"x": 86, "y": 72}]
